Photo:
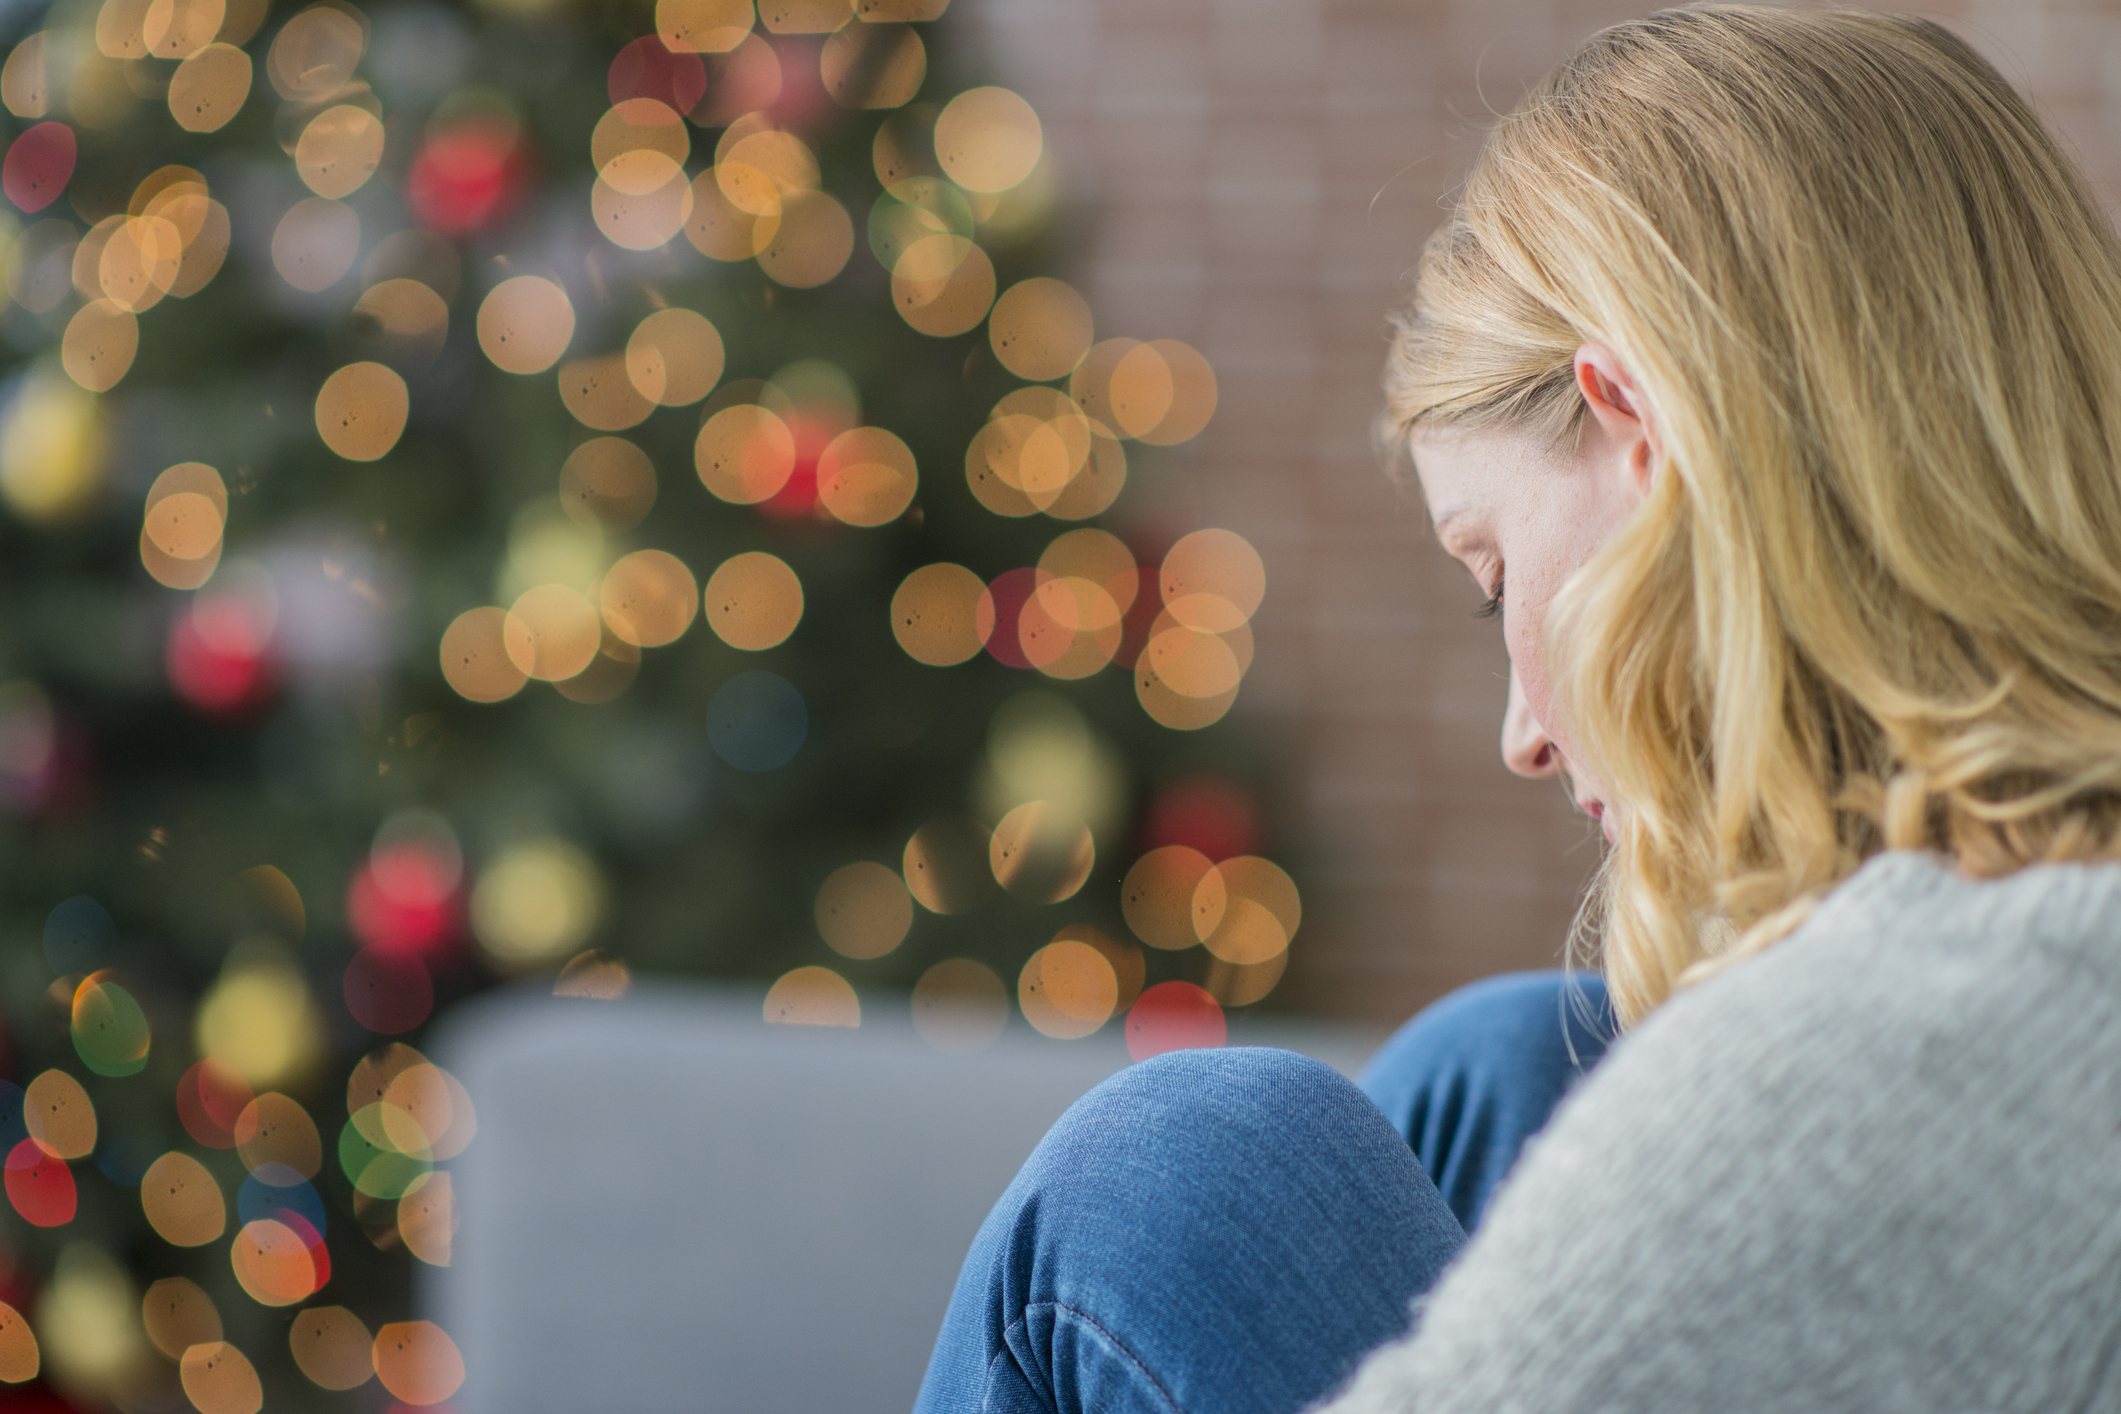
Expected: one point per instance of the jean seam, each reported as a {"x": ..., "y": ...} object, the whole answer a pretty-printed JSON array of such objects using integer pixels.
[{"x": 1117, "y": 1344}]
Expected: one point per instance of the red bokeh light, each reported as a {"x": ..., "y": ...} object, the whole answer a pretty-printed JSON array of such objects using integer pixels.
[
  {"x": 404, "y": 897},
  {"x": 319, "y": 1254},
  {"x": 797, "y": 498},
  {"x": 38, "y": 166},
  {"x": 217, "y": 656},
  {"x": 466, "y": 177},
  {"x": 210, "y": 1098},
  {"x": 40, "y": 1186},
  {"x": 1174, "y": 1016},
  {"x": 1010, "y": 592},
  {"x": 1206, "y": 813},
  {"x": 645, "y": 69}
]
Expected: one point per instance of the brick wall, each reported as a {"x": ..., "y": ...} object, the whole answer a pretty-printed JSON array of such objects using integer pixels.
[{"x": 1260, "y": 175}]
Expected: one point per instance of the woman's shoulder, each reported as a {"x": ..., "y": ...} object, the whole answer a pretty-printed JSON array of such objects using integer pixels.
[{"x": 1878, "y": 1167}]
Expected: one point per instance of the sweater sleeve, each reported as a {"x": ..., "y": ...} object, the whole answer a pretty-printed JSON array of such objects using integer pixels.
[{"x": 1877, "y": 1168}]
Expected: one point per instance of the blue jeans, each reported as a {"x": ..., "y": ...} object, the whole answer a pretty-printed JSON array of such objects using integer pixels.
[{"x": 1233, "y": 1230}]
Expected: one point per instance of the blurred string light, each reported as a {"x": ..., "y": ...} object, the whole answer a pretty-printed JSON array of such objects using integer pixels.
[{"x": 20, "y": 1359}]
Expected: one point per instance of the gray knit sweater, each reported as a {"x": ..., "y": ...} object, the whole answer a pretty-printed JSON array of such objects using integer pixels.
[{"x": 1877, "y": 1168}]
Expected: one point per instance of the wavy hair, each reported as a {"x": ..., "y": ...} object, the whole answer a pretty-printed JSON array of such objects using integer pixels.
[{"x": 1873, "y": 598}]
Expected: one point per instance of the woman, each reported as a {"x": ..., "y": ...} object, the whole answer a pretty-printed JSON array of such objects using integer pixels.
[{"x": 1768, "y": 377}]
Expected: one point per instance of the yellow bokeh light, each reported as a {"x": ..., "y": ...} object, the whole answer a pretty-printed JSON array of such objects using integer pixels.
[
  {"x": 942, "y": 285},
  {"x": 178, "y": 1314},
  {"x": 314, "y": 54},
  {"x": 273, "y": 1129},
  {"x": 988, "y": 139},
  {"x": 183, "y": 1203},
  {"x": 599, "y": 393},
  {"x": 1098, "y": 556},
  {"x": 411, "y": 322},
  {"x": 418, "y": 1362},
  {"x": 361, "y": 411},
  {"x": 209, "y": 88},
  {"x": 720, "y": 229},
  {"x": 702, "y": 26},
  {"x": 1171, "y": 708},
  {"x": 98, "y": 346},
  {"x": 641, "y": 199},
  {"x": 475, "y": 657},
  {"x": 178, "y": 29},
  {"x": 1068, "y": 989},
  {"x": 260, "y": 1019},
  {"x": 525, "y": 324},
  {"x": 813, "y": 996},
  {"x": 637, "y": 124},
  {"x": 812, "y": 242},
  {"x": 332, "y": 1347},
  {"x": 427, "y": 1218},
  {"x": 1213, "y": 580},
  {"x": 120, "y": 26},
  {"x": 960, "y": 1006},
  {"x": 182, "y": 525},
  {"x": 649, "y": 598},
  {"x": 20, "y": 1359},
  {"x": 803, "y": 16},
  {"x": 272, "y": 1263},
  {"x": 607, "y": 483},
  {"x": 551, "y": 632},
  {"x": 25, "y": 80},
  {"x": 936, "y": 615},
  {"x": 753, "y": 601},
  {"x": 88, "y": 256},
  {"x": 1070, "y": 627},
  {"x": 744, "y": 453},
  {"x": 140, "y": 262},
  {"x": 674, "y": 357},
  {"x": 203, "y": 252},
  {"x": 863, "y": 910},
  {"x": 315, "y": 243},
  {"x": 1157, "y": 895},
  {"x": 219, "y": 1379},
  {"x": 59, "y": 1115},
  {"x": 539, "y": 901},
  {"x": 1041, "y": 852},
  {"x": 946, "y": 865},
  {"x": 1246, "y": 910},
  {"x": 873, "y": 65},
  {"x": 866, "y": 476},
  {"x": 340, "y": 150},
  {"x": 1040, "y": 329},
  {"x": 88, "y": 1321},
  {"x": 1192, "y": 662},
  {"x": 1242, "y": 984},
  {"x": 546, "y": 545},
  {"x": 53, "y": 446}
]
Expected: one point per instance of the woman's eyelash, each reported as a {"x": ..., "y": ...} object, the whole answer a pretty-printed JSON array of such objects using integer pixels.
[{"x": 1494, "y": 605}]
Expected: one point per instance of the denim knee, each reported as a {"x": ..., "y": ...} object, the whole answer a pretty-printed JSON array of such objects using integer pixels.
[
  {"x": 1218, "y": 1201},
  {"x": 1476, "y": 1074}
]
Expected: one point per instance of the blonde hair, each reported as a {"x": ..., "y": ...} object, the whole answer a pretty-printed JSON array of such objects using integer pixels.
[{"x": 1873, "y": 598}]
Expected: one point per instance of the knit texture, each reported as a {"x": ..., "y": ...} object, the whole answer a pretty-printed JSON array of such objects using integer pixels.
[{"x": 1876, "y": 1168}]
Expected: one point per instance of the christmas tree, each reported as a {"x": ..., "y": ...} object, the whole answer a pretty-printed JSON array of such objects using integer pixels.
[{"x": 550, "y": 494}]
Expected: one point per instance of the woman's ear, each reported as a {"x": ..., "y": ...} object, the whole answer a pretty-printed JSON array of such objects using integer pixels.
[{"x": 1610, "y": 393}]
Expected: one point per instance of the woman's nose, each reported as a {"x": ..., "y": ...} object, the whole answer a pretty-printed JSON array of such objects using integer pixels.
[{"x": 1526, "y": 748}]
